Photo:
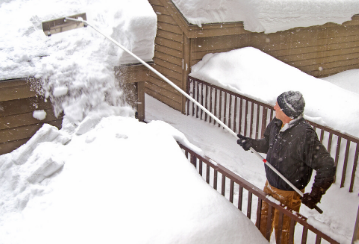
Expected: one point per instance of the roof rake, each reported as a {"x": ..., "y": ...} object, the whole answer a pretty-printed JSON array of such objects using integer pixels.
[
  {"x": 63, "y": 24},
  {"x": 76, "y": 21}
]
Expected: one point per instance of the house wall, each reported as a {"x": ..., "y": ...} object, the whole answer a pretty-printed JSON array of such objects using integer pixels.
[
  {"x": 17, "y": 124},
  {"x": 168, "y": 59},
  {"x": 320, "y": 51}
]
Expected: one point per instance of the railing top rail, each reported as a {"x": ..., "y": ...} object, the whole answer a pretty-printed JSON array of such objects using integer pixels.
[
  {"x": 326, "y": 128},
  {"x": 259, "y": 193}
]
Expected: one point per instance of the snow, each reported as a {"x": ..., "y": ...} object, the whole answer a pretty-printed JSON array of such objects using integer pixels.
[
  {"x": 237, "y": 70},
  {"x": 105, "y": 177},
  {"x": 60, "y": 91},
  {"x": 339, "y": 206},
  {"x": 99, "y": 187},
  {"x": 39, "y": 114},
  {"x": 347, "y": 80},
  {"x": 268, "y": 16},
  {"x": 64, "y": 60}
]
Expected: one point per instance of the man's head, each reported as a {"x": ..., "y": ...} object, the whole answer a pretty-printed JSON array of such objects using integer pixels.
[{"x": 291, "y": 103}]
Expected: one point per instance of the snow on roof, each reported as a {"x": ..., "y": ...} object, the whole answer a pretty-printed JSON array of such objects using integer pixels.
[
  {"x": 268, "y": 16},
  {"x": 81, "y": 60}
]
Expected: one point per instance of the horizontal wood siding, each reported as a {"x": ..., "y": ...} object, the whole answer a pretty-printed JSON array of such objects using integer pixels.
[
  {"x": 17, "y": 104},
  {"x": 320, "y": 51},
  {"x": 168, "y": 58}
]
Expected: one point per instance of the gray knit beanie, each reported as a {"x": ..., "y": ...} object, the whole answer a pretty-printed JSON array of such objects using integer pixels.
[{"x": 292, "y": 103}]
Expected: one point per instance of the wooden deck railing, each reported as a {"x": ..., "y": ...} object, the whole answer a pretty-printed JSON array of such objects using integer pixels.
[
  {"x": 249, "y": 117},
  {"x": 249, "y": 198}
]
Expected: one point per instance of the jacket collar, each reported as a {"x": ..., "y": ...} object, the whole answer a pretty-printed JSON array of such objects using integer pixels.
[{"x": 291, "y": 124}]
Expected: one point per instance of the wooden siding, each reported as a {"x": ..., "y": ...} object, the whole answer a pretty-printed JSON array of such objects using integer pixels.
[
  {"x": 17, "y": 124},
  {"x": 320, "y": 51},
  {"x": 168, "y": 59}
]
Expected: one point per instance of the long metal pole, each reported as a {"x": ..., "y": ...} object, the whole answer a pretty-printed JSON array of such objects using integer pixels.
[{"x": 194, "y": 101}]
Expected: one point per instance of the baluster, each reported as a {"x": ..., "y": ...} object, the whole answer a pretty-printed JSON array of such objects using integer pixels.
[
  {"x": 245, "y": 118},
  {"x": 345, "y": 163},
  {"x": 215, "y": 104},
  {"x": 259, "y": 213},
  {"x": 240, "y": 197},
  {"x": 194, "y": 96},
  {"x": 264, "y": 121},
  {"x": 337, "y": 154},
  {"x": 304, "y": 235},
  {"x": 207, "y": 173},
  {"x": 202, "y": 99},
  {"x": 223, "y": 185},
  {"x": 231, "y": 191},
  {"x": 280, "y": 225},
  {"x": 251, "y": 121},
  {"x": 291, "y": 231},
  {"x": 220, "y": 106},
  {"x": 257, "y": 124},
  {"x": 235, "y": 114},
  {"x": 240, "y": 116},
  {"x": 206, "y": 104},
  {"x": 269, "y": 222},
  {"x": 197, "y": 99},
  {"x": 321, "y": 136},
  {"x": 230, "y": 112},
  {"x": 215, "y": 179},
  {"x": 249, "y": 207},
  {"x": 225, "y": 108},
  {"x": 330, "y": 142},
  {"x": 318, "y": 239},
  {"x": 354, "y": 168},
  {"x": 200, "y": 167}
]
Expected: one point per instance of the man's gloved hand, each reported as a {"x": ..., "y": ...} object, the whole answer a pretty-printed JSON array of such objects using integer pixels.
[
  {"x": 244, "y": 142},
  {"x": 313, "y": 198}
]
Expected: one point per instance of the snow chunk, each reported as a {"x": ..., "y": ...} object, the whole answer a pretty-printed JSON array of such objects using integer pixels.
[
  {"x": 45, "y": 134},
  {"x": 39, "y": 114},
  {"x": 60, "y": 91}
]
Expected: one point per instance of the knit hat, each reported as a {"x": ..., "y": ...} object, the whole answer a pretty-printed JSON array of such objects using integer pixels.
[{"x": 292, "y": 103}]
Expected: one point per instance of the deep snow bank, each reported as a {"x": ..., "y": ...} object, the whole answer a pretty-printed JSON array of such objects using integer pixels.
[
  {"x": 114, "y": 181},
  {"x": 256, "y": 74},
  {"x": 267, "y": 15}
]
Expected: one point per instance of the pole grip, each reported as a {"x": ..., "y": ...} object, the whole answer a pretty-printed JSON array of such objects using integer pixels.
[{"x": 318, "y": 209}]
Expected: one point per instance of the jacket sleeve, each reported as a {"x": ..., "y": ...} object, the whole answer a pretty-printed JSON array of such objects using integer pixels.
[
  {"x": 319, "y": 159},
  {"x": 262, "y": 145}
]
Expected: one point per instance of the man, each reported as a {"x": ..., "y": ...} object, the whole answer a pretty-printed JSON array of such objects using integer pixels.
[{"x": 293, "y": 148}]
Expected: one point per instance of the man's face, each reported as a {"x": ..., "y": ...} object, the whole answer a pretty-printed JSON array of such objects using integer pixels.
[{"x": 279, "y": 114}]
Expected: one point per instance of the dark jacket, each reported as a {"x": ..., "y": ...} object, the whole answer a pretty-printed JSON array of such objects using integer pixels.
[{"x": 295, "y": 151}]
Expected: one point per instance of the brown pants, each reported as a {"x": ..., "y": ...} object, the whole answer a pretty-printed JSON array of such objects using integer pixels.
[{"x": 291, "y": 199}]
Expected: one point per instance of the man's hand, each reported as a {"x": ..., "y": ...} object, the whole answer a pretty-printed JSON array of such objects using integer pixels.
[
  {"x": 312, "y": 199},
  {"x": 244, "y": 142}
]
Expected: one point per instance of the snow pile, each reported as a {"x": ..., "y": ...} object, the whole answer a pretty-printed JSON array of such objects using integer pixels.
[
  {"x": 347, "y": 80},
  {"x": 75, "y": 68},
  {"x": 119, "y": 181},
  {"x": 250, "y": 72},
  {"x": 267, "y": 15}
]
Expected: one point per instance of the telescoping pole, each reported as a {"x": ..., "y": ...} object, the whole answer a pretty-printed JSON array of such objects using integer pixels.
[{"x": 194, "y": 101}]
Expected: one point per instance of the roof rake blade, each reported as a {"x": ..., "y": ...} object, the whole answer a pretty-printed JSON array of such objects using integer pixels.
[{"x": 60, "y": 25}]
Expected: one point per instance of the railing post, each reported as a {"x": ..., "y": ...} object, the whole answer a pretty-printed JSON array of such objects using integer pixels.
[{"x": 356, "y": 229}]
